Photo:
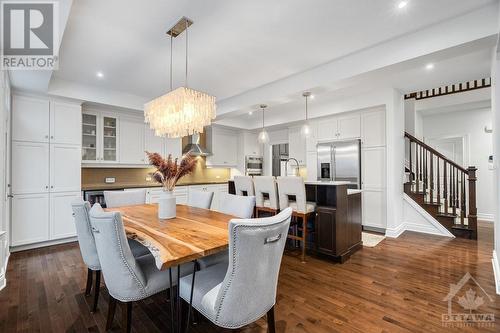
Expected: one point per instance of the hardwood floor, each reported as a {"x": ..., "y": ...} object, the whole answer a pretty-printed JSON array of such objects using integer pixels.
[{"x": 398, "y": 286}]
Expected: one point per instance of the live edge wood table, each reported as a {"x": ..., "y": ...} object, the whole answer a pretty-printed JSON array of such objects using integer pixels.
[{"x": 193, "y": 234}]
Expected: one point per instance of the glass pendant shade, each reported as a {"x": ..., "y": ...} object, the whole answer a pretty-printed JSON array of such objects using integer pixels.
[
  {"x": 305, "y": 130},
  {"x": 181, "y": 112},
  {"x": 263, "y": 137}
]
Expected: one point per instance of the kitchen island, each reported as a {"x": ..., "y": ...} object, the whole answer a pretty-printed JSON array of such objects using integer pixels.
[{"x": 336, "y": 231}]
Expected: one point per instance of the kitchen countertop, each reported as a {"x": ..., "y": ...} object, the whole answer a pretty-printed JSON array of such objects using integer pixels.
[
  {"x": 119, "y": 186},
  {"x": 328, "y": 183},
  {"x": 353, "y": 191}
]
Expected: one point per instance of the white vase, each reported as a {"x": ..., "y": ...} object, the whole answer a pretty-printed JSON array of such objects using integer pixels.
[{"x": 166, "y": 205}]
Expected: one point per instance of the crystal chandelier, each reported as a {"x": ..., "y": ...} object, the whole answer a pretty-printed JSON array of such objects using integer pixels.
[{"x": 183, "y": 111}]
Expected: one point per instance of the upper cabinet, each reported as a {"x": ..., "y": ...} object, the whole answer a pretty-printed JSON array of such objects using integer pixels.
[
  {"x": 373, "y": 128},
  {"x": 30, "y": 119},
  {"x": 65, "y": 121},
  {"x": 131, "y": 141},
  {"x": 296, "y": 145},
  {"x": 152, "y": 143},
  {"x": 339, "y": 128},
  {"x": 100, "y": 137},
  {"x": 223, "y": 144},
  {"x": 173, "y": 146}
]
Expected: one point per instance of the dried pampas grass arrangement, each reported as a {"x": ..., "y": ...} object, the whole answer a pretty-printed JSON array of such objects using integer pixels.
[{"x": 168, "y": 172}]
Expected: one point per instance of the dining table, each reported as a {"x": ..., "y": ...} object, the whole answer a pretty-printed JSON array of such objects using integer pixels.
[{"x": 193, "y": 234}]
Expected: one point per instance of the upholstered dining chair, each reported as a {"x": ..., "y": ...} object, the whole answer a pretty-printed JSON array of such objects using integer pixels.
[
  {"x": 88, "y": 248},
  {"x": 235, "y": 205},
  {"x": 128, "y": 279},
  {"x": 293, "y": 186},
  {"x": 239, "y": 294},
  {"x": 124, "y": 198},
  {"x": 266, "y": 185},
  {"x": 244, "y": 185},
  {"x": 200, "y": 199}
]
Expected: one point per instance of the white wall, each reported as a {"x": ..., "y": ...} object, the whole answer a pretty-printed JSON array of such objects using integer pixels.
[
  {"x": 469, "y": 123},
  {"x": 495, "y": 107}
]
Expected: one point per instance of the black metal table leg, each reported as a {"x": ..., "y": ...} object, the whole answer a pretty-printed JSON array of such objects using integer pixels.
[
  {"x": 171, "y": 301},
  {"x": 191, "y": 296},
  {"x": 179, "y": 314}
]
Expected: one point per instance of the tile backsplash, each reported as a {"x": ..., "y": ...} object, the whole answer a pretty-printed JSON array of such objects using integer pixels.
[{"x": 132, "y": 176}]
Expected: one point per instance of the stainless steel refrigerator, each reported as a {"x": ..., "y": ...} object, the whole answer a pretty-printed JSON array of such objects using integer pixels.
[{"x": 340, "y": 161}]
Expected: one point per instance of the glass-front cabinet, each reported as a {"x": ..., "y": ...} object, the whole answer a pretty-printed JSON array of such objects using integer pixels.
[{"x": 99, "y": 138}]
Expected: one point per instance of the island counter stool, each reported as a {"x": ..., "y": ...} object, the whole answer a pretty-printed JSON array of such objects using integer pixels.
[
  {"x": 302, "y": 209},
  {"x": 266, "y": 186}
]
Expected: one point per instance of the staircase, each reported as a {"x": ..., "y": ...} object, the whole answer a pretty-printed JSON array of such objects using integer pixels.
[{"x": 446, "y": 190}]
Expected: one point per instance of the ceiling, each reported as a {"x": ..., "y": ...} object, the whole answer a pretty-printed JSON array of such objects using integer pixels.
[{"x": 234, "y": 46}]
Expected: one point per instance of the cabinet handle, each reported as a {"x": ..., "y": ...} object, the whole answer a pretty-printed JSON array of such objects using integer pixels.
[
  {"x": 51, "y": 186},
  {"x": 46, "y": 186},
  {"x": 51, "y": 136},
  {"x": 46, "y": 137}
]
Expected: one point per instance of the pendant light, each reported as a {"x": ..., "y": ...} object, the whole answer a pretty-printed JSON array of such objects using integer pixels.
[
  {"x": 183, "y": 111},
  {"x": 305, "y": 131},
  {"x": 263, "y": 136}
]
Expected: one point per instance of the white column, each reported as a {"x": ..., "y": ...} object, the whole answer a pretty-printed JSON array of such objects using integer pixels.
[{"x": 395, "y": 125}]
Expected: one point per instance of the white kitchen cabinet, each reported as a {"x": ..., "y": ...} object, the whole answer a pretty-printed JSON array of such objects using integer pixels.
[
  {"x": 296, "y": 145},
  {"x": 349, "y": 127},
  {"x": 30, "y": 167},
  {"x": 223, "y": 144},
  {"x": 373, "y": 128},
  {"x": 30, "y": 119},
  {"x": 65, "y": 123},
  {"x": 173, "y": 146},
  {"x": 373, "y": 207},
  {"x": 339, "y": 128},
  {"x": 152, "y": 143},
  {"x": 65, "y": 169},
  {"x": 250, "y": 144},
  {"x": 327, "y": 129},
  {"x": 312, "y": 168},
  {"x": 62, "y": 224},
  {"x": 131, "y": 141},
  {"x": 373, "y": 168},
  {"x": 180, "y": 193},
  {"x": 30, "y": 218},
  {"x": 100, "y": 136}
]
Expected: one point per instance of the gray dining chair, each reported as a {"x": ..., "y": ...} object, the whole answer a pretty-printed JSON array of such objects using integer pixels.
[
  {"x": 243, "y": 185},
  {"x": 128, "y": 279},
  {"x": 236, "y": 295},
  {"x": 200, "y": 199},
  {"x": 124, "y": 198},
  {"x": 88, "y": 249},
  {"x": 235, "y": 205}
]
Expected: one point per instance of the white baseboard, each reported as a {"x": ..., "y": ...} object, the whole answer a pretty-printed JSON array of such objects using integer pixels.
[
  {"x": 42, "y": 244},
  {"x": 395, "y": 232},
  {"x": 485, "y": 217},
  {"x": 496, "y": 271}
]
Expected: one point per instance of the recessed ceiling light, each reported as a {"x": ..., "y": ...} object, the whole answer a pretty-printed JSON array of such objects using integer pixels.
[
  {"x": 402, "y": 4},
  {"x": 312, "y": 96},
  {"x": 99, "y": 75},
  {"x": 429, "y": 67},
  {"x": 250, "y": 113}
]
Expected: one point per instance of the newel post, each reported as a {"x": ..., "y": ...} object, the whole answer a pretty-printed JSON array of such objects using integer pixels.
[{"x": 471, "y": 171}]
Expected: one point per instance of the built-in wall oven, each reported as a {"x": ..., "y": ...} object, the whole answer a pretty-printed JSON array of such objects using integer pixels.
[{"x": 253, "y": 165}]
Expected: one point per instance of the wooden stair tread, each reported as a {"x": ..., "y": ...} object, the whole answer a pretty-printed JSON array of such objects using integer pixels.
[
  {"x": 461, "y": 227},
  {"x": 450, "y": 215}
]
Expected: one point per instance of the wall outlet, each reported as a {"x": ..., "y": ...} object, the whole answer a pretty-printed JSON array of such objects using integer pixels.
[{"x": 110, "y": 180}]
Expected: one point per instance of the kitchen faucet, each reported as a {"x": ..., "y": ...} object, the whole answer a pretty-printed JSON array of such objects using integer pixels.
[{"x": 286, "y": 165}]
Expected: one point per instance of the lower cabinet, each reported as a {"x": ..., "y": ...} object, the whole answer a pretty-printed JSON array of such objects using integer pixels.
[
  {"x": 325, "y": 230},
  {"x": 30, "y": 218},
  {"x": 180, "y": 193},
  {"x": 374, "y": 208},
  {"x": 217, "y": 189},
  {"x": 42, "y": 217},
  {"x": 62, "y": 224}
]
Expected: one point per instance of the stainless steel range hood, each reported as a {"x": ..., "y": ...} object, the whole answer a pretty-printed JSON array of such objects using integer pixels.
[{"x": 195, "y": 145}]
